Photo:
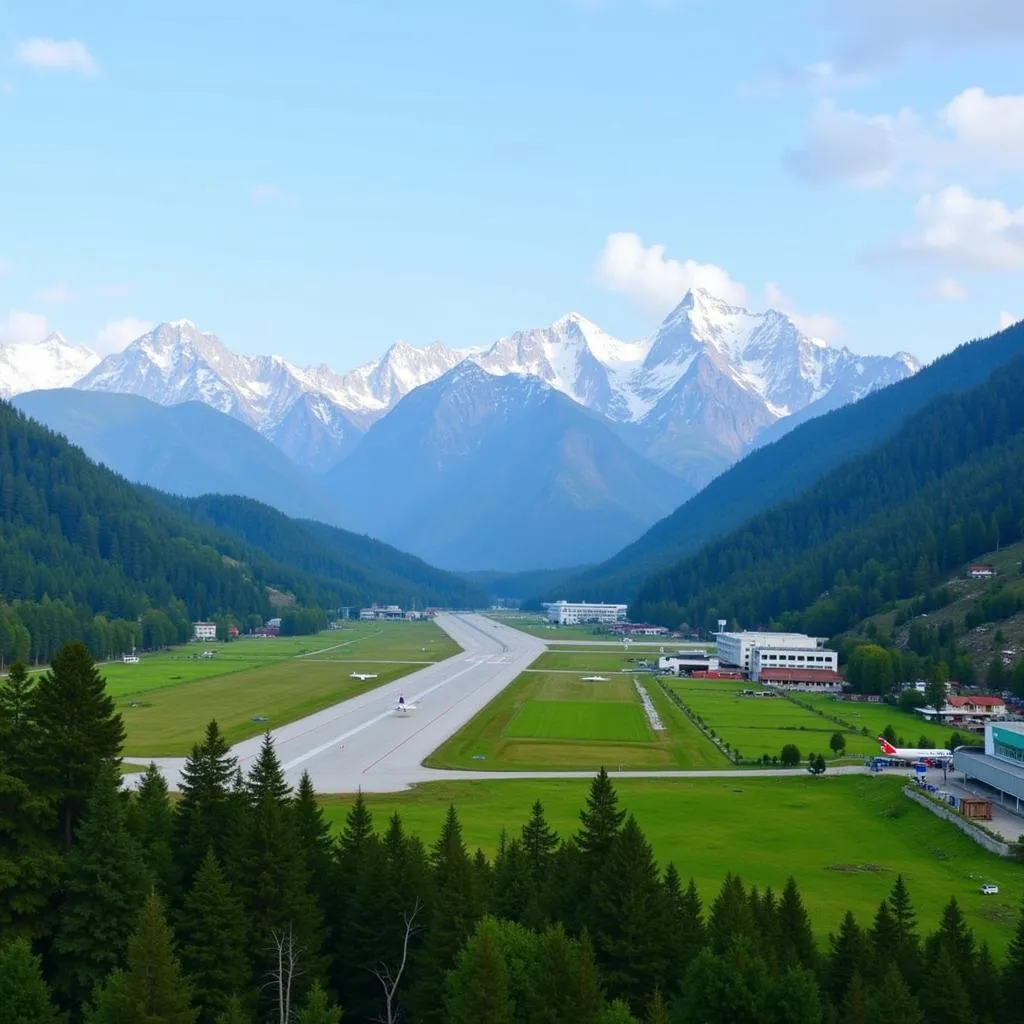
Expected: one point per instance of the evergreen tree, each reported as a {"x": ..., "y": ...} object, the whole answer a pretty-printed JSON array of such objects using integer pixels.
[
  {"x": 693, "y": 933},
  {"x": 685, "y": 925},
  {"x": 796, "y": 940},
  {"x": 725, "y": 989},
  {"x": 566, "y": 982},
  {"x": 907, "y": 950},
  {"x": 24, "y": 996},
  {"x": 151, "y": 823},
  {"x": 205, "y": 812},
  {"x": 152, "y": 989},
  {"x": 764, "y": 913},
  {"x": 1013, "y": 968},
  {"x": 657, "y": 1011},
  {"x": 513, "y": 891},
  {"x": 600, "y": 820},
  {"x": 617, "y": 1012},
  {"x": 856, "y": 1007},
  {"x": 986, "y": 993},
  {"x": 315, "y": 839},
  {"x": 848, "y": 955},
  {"x": 539, "y": 843},
  {"x": 793, "y": 998},
  {"x": 945, "y": 999},
  {"x": 79, "y": 733},
  {"x": 892, "y": 1000},
  {"x": 884, "y": 940},
  {"x": 30, "y": 866},
  {"x": 105, "y": 883},
  {"x": 234, "y": 1013},
  {"x": 318, "y": 1008},
  {"x": 631, "y": 920},
  {"x": 213, "y": 939},
  {"x": 17, "y": 723},
  {"x": 729, "y": 920},
  {"x": 477, "y": 989},
  {"x": 956, "y": 938}
]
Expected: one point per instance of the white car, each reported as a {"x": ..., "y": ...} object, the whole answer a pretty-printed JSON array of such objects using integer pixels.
[{"x": 989, "y": 889}]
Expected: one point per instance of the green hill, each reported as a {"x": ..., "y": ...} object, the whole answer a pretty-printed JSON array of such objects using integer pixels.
[
  {"x": 780, "y": 471},
  {"x": 944, "y": 488}
]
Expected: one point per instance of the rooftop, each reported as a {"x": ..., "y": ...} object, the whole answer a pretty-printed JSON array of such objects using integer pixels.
[{"x": 795, "y": 675}]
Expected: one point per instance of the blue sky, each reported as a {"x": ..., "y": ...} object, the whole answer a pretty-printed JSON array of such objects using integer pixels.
[{"x": 324, "y": 178}]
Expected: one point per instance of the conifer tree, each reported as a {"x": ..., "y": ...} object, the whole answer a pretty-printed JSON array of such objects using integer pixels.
[
  {"x": 30, "y": 866},
  {"x": 617, "y": 1012},
  {"x": 566, "y": 983},
  {"x": 477, "y": 989},
  {"x": 657, "y": 1010},
  {"x": 234, "y": 1013},
  {"x": 795, "y": 937},
  {"x": 856, "y": 1007},
  {"x": 945, "y": 999},
  {"x": 729, "y": 920},
  {"x": 205, "y": 814},
  {"x": 600, "y": 821},
  {"x": 848, "y": 956},
  {"x": 793, "y": 997},
  {"x": 17, "y": 722},
  {"x": 105, "y": 884},
  {"x": 318, "y": 1008},
  {"x": 908, "y": 945},
  {"x": 315, "y": 838},
  {"x": 726, "y": 988},
  {"x": 24, "y": 995},
  {"x": 884, "y": 940},
  {"x": 692, "y": 930},
  {"x": 151, "y": 988},
  {"x": 955, "y": 937},
  {"x": 539, "y": 843},
  {"x": 213, "y": 939},
  {"x": 79, "y": 733},
  {"x": 1013, "y": 968},
  {"x": 631, "y": 920},
  {"x": 513, "y": 889},
  {"x": 892, "y": 1000},
  {"x": 151, "y": 823},
  {"x": 986, "y": 992}
]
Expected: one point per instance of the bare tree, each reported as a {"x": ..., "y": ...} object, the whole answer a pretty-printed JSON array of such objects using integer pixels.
[
  {"x": 283, "y": 976},
  {"x": 389, "y": 977}
]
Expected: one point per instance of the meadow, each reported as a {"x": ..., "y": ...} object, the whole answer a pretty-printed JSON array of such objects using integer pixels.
[
  {"x": 875, "y": 717},
  {"x": 167, "y": 699},
  {"x": 554, "y": 720},
  {"x": 844, "y": 838},
  {"x": 587, "y": 659},
  {"x": 756, "y": 726}
]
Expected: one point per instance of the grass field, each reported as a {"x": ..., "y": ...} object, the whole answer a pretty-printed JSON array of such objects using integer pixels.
[
  {"x": 844, "y": 838},
  {"x": 587, "y": 659},
  {"x": 554, "y": 720},
  {"x": 756, "y": 726},
  {"x": 875, "y": 717},
  {"x": 167, "y": 699}
]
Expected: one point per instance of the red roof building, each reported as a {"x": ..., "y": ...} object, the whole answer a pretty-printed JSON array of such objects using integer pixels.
[{"x": 820, "y": 679}]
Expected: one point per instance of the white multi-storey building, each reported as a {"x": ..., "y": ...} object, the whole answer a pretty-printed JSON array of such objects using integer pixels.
[
  {"x": 204, "y": 630},
  {"x": 572, "y": 613},
  {"x": 754, "y": 651}
]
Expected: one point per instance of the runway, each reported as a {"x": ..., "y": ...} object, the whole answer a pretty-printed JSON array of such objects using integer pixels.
[{"x": 364, "y": 743}]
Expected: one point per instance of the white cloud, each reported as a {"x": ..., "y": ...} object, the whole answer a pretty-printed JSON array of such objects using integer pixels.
[
  {"x": 874, "y": 31},
  {"x": 959, "y": 229},
  {"x": 21, "y": 328},
  {"x": 120, "y": 333},
  {"x": 946, "y": 289},
  {"x": 56, "y": 55},
  {"x": 815, "y": 325},
  {"x": 55, "y": 295},
  {"x": 975, "y": 133},
  {"x": 1006, "y": 320},
  {"x": 654, "y": 282}
]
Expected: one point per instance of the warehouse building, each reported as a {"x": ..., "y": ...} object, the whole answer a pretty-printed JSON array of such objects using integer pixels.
[{"x": 573, "y": 613}]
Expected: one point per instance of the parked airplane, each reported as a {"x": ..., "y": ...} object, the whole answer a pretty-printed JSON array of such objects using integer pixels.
[
  {"x": 593, "y": 679},
  {"x": 403, "y": 706},
  {"x": 928, "y": 754},
  {"x": 363, "y": 675}
]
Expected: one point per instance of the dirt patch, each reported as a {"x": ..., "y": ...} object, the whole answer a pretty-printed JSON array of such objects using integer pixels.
[
  {"x": 279, "y": 599},
  {"x": 856, "y": 869}
]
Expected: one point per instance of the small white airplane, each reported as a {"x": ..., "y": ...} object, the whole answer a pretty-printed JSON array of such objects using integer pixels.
[
  {"x": 363, "y": 675},
  {"x": 403, "y": 706},
  {"x": 928, "y": 754},
  {"x": 593, "y": 679}
]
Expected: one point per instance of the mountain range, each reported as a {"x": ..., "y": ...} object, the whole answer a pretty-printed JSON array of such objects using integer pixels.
[{"x": 623, "y": 431}]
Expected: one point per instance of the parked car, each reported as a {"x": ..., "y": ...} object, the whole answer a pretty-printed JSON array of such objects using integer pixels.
[{"x": 988, "y": 889}]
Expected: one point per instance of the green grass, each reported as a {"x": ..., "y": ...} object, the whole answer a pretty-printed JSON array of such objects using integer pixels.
[
  {"x": 554, "y": 720},
  {"x": 844, "y": 838},
  {"x": 763, "y": 725},
  {"x": 168, "y": 698},
  {"x": 580, "y": 720},
  {"x": 875, "y": 717},
  {"x": 586, "y": 660}
]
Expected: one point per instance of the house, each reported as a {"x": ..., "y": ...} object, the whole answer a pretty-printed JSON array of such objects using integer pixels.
[
  {"x": 969, "y": 712},
  {"x": 204, "y": 630},
  {"x": 981, "y": 572},
  {"x": 817, "y": 680},
  {"x": 130, "y": 659}
]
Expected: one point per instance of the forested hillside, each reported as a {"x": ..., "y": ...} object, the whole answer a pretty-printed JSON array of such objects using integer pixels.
[
  {"x": 946, "y": 487},
  {"x": 359, "y": 568},
  {"x": 782, "y": 470},
  {"x": 85, "y": 555}
]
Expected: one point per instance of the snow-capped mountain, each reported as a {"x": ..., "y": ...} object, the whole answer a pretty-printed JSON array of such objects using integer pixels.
[{"x": 50, "y": 363}]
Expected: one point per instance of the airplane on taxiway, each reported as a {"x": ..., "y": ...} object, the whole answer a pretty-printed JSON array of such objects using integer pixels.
[
  {"x": 363, "y": 675},
  {"x": 928, "y": 754},
  {"x": 403, "y": 706}
]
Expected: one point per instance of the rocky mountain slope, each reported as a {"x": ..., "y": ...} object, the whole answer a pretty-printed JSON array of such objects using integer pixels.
[{"x": 50, "y": 363}]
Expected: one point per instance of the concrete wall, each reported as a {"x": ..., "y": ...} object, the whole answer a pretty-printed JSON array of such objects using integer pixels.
[{"x": 965, "y": 826}]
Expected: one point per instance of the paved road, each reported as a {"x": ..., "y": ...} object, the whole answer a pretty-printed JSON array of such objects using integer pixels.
[{"x": 363, "y": 742}]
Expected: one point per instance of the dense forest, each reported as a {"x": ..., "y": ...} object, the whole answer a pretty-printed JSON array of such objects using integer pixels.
[
  {"x": 85, "y": 555},
  {"x": 888, "y": 525},
  {"x": 236, "y": 904},
  {"x": 780, "y": 471}
]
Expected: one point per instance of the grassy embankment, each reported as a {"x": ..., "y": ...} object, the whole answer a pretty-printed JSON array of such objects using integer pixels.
[
  {"x": 167, "y": 699},
  {"x": 844, "y": 838}
]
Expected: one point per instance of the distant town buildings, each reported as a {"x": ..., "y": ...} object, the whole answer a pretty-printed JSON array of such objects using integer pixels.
[
  {"x": 968, "y": 712},
  {"x": 688, "y": 661},
  {"x": 204, "y": 630},
  {"x": 389, "y": 613},
  {"x": 574, "y": 613},
  {"x": 981, "y": 572},
  {"x": 638, "y": 629}
]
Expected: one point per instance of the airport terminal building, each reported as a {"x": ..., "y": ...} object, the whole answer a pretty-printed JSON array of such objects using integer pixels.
[
  {"x": 754, "y": 652},
  {"x": 572, "y": 613},
  {"x": 1000, "y": 766}
]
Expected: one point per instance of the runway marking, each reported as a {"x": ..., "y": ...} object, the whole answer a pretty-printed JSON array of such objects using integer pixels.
[
  {"x": 295, "y": 761},
  {"x": 334, "y": 647}
]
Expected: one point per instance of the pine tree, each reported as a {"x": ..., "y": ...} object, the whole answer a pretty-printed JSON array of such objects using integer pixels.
[
  {"x": 727, "y": 988},
  {"x": 945, "y": 999},
  {"x": 856, "y": 1008},
  {"x": 477, "y": 990},
  {"x": 105, "y": 884},
  {"x": 884, "y": 940},
  {"x": 318, "y": 1008},
  {"x": 692, "y": 930},
  {"x": 848, "y": 956},
  {"x": 17, "y": 722},
  {"x": 986, "y": 993},
  {"x": 729, "y": 920},
  {"x": 657, "y": 1011},
  {"x": 79, "y": 733},
  {"x": 631, "y": 920},
  {"x": 601, "y": 820},
  {"x": 234, "y": 1013},
  {"x": 513, "y": 888},
  {"x": 908, "y": 946},
  {"x": 565, "y": 983},
  {"x": 151, "y": 823},
  {"x": 30, "y": 866},
  {"x": 315, "y": 838},
  {"x": 956, "y": 938},
  {"x": 152, "y": 988},
  {"x": 796, "y": 940},
  {"x": 205, "y": 815},
  {"x": 1013, "y": 968},
  {"x": 24, "y": 996},
  {"x": 213, "y": 939},
  {"x": 539, "y": 843},
  {"x": 893, "y": 1001},
  {"x": 793, "y": 997}
]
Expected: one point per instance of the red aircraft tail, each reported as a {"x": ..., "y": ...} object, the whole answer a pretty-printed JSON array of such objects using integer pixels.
[{"x": 887, "y": 747}]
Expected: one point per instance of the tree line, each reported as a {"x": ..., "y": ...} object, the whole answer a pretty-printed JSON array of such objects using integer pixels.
[
  {"x": 885, "y": 526},
  {"x": 235, "y": 903}
]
